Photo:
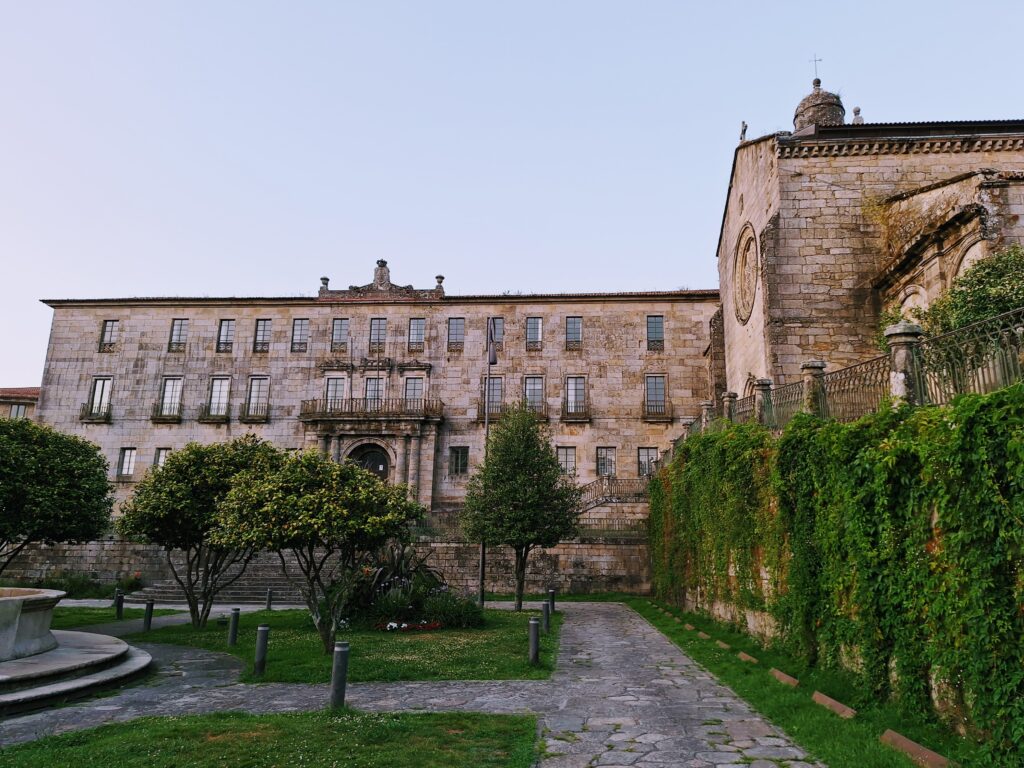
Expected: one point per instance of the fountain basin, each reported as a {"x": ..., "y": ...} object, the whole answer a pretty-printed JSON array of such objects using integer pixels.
[{"x": 25, "y": 616}]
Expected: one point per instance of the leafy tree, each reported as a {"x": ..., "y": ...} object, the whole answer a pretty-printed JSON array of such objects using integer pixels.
[
  {"x": 53, "y": 488},
  {"x": 328, "y": 516},
  {"x": 520, "y": 497},
  {"x": 177, "y": 506},
  {"x": 988, "y": 288}
]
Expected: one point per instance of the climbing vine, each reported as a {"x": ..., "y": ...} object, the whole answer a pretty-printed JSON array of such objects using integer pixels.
[{"x": 892, "y": 547}]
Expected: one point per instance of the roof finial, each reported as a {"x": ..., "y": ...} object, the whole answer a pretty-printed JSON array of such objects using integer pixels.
[
  {"x": 814, "y": 61},
  {"x": 743, "y": 131},
  {"x": 857, "y": 119}
]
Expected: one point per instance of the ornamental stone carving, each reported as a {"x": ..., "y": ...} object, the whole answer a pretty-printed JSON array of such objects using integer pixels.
[{"x": 745, "y": 272}]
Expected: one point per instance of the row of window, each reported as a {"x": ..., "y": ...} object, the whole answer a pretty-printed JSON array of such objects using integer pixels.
[
  {"x": 458, "y": 460},
  {"x": 258, "y": 393},
  {"x": 340, "y": 338}
]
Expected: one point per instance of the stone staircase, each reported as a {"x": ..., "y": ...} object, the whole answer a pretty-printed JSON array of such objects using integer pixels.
[{"x": 263, "y": 573}]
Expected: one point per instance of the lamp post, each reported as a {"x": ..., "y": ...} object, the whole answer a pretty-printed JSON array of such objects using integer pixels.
[{"x": 492, "y": 358}]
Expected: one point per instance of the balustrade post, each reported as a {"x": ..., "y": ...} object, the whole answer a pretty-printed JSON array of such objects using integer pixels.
[
  {"x": 814, "y": 387},
  {"x": 903, "y": 338},
  {"x": 707, "y": 414},
  {"x": 763, "y": 401},
  {"x": 729, "y": 406}
]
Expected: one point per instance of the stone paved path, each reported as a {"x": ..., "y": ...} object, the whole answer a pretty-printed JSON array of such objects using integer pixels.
[{"x": 621, "y": 694}]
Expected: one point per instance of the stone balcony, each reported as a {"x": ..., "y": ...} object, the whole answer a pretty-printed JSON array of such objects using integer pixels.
[{"x": 361, "y": 409}]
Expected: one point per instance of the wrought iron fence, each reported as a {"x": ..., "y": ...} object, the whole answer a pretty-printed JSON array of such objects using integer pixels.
[
  {"x": 612, "y": 527},
  {"x": 858, "y": 390},
  {"x": 782, "y": 404},
  {"x": 743, "y": 410},
  {"x": 613, "y": 490},
  {"x": 979, "y": 358}
]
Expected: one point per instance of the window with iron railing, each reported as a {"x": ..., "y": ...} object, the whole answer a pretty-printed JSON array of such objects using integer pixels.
[
  {"x": 261, "y": 338},
  {"x": 646, "y": 459},
  {"x": 414, "y": 388},
  {"x": 170, "y": 397},
  {"x": 339, "y": 334},
  {"x": 373, "y": 389},
  {"x": 655, "y": 333},
  {"x": 378, "y": 334},
  {"x": 109, "y": 335},
  {"x": 534, "y": 334},
  {"x": 300, "y": 334},
  {"x": 99, "y": 398},
  {"x": 225, "y": 335},
  {"x": 417, "y": 332},
  {"x": 335, "y": 393},
  {"x": 179, "y": 334},
  {"x": 575, "y": 395},
  {"x": 220, "y": 389},
  {"x": 606, "y": 462},
  {"x": 257, "y": 402},
  {"x": 654, "y": 395},
  {"x": 567, "y": 459},
  {"x": 495, "y": 394},
  {"x": 533, "y": 393},
  {"x": 456, "y": 333},
  {"x": 573, "y": 333}
]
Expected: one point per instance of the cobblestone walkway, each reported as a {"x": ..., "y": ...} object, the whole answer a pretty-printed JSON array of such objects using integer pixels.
[{"x": 621, "y": 694}]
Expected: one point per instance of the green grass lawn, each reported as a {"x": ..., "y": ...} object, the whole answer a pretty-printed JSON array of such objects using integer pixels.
[
  {"x": 497, "y": 651},
  {"x": 69, "y": 618},
  {"x": 840, "y": 743},
  {"x": 311, "y": 740}
]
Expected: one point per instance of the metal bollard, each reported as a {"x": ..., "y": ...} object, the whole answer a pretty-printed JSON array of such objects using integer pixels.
[
  {"x": 119, "y": 604},
  {"x": 233, "y": 626},
  {"x": 270, "y": 599},
  {"x": 545, "y": 622},
  {"x": 259, "y": 666},
  {"x": 339, "y": 675},
  {"x": 534, "y": 641},
  {"x": 147, "y": 619},
  {"x": 551, "y": 599}
]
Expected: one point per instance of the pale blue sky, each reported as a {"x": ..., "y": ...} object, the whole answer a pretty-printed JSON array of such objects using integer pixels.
[{"x": 246, "y": 148}]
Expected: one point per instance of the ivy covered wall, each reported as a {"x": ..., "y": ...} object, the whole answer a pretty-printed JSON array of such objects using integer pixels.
[{"x": 891, "y": 547}]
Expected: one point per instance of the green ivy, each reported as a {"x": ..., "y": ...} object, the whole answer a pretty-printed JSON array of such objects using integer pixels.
[{"x": 893, "y": 547}]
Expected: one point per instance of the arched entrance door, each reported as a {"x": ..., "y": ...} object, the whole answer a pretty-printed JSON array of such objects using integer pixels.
[{"x": 373, "y": 458}]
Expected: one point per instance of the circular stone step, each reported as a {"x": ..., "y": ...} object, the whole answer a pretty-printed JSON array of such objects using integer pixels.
[{"x": 75, "y": 652}]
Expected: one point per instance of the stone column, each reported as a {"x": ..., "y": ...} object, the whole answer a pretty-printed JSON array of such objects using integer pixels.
[
  {"x": 402, "y": 462},
  {"x": 763, "y": 401},
  {"x": 325, "y": 445},
  {"x": 903, "y": 339},
  {"x": 707, "y": 414},
  {"x": 729, "y": 405},
  {"x": 814, "y": 387},
  {"x": 414, "y": 467},
  {"x": 336, "y": 448}
]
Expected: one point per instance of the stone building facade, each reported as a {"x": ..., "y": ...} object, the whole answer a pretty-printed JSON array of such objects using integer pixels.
[
  {"x": 387, "y": 375},
  {"x": 825, "y": 226},
  {"x": 18, "y": 402}
]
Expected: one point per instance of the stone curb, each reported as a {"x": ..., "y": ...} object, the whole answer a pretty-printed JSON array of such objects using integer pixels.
[
  {"x": 723, "y": 646},
  {"x": 838, "y": 707},
  {"x": 920, "y": 755},
  {"x": 783, "y": 678},
  {"x": 747, "y": 657}
]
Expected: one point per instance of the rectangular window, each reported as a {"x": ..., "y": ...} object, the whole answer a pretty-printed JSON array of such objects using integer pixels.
[
  {"x": 300, "y": 334},
  {"x": 99, "y": 401},
  {"x": 19, "y": 411},
  {"x": 575, "y": 394},
  {"x": 646, "y": 457},
  {"x": 257, "y": 403},
  {"x": 533, "y": 393},
  {"x": 374, "y": 390},
  {"x": 606, "y": 462},
  {"x": 574, "y": 333},
  {"x": 456, "y": 333},
  {"x": 378, "y": 333},
  {"x": 567, "y": 459},
  {"x": 220, "y": 389},
  {"x": 226, "y": 336},
  {"x": 161, "y": 456},
  {"x": 414, "y": 388},
  {"x": 655, "y": 333},
  {"x": 495, "y": 394},
  {"x": 179, "y": 334},
  {"x": 126, "y": 463},
  {"x": 458, "y": 460},
  {"x": 534, "y": 333},
  {"x": 498, "y": 330},
  {"x": 417, "y": 330},
  {"x": 108, "y": 336},
  {"x": 654, "y": 396},
  {"x": 170, "y": 397},
  {"x": 335, "y": 393},
  {"x": 339, "y": 334},
  {"x": 261, "y": 339}
]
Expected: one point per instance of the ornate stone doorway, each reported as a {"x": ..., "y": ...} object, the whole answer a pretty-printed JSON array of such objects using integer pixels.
[{"x": 373, "y": 458}]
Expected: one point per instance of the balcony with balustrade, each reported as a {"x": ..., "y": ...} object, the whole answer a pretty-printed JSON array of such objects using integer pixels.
[
  {"x": 166, "y": 413},
  {"x": 576, "y": 411},
  {"x": 656, "y": 411},
  {"x": 363, "y": 408}
]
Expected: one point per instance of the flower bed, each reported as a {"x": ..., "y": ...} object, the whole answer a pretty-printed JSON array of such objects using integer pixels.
[{"x": 404, "y": 626}]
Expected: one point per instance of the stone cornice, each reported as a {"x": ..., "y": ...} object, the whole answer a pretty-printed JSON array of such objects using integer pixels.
[{"x": 898, "y": 146}]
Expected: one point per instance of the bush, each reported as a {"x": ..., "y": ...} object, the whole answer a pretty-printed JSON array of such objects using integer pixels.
[{"x": 452, "y": 611}]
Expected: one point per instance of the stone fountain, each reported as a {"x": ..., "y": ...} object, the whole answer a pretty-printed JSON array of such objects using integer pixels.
[{"x": 40, "y": 667}]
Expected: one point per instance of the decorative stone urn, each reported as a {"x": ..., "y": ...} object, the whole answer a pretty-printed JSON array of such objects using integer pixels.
[{"x": 25, "y": 616}]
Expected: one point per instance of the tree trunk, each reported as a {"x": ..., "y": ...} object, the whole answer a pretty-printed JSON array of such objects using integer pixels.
[{"x": 521, "y": 554}]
